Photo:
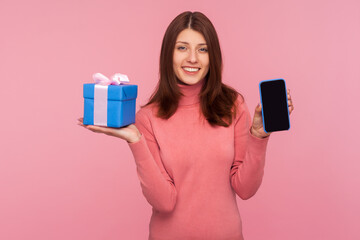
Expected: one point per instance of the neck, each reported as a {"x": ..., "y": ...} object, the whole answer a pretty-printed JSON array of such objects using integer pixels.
[{"x": 190, "y": 92}]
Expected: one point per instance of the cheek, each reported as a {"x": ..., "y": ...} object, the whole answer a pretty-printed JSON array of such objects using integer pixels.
[
  {"x": 176, "y": 59},
  {"x": 176, "y": 71},
  {"x": 176, "y": 67},
  {"x": 175, "y": 63},
  {"x": 205, "y": 60}
]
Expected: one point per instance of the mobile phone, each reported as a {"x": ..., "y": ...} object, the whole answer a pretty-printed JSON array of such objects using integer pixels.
[{"x": 275, "y": 109}]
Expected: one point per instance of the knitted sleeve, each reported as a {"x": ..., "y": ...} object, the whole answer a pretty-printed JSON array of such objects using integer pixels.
[
  {"x": 248, "y": 167},
  {"x": 157, "y": 186}
]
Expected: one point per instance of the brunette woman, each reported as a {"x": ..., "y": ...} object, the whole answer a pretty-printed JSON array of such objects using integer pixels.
[{"x": 194, "y": 143}]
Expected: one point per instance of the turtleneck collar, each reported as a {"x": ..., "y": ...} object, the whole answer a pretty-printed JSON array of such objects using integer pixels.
[{"x": 191, "y": 93}]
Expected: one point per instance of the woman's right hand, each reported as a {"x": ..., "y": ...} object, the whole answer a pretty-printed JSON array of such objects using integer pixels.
[{"x": 129, "y": 133}]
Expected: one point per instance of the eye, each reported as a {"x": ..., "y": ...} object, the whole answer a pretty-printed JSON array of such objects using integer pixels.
[
  {"x": 203, "y": 49},
  {"x": 181, "y": 48}
]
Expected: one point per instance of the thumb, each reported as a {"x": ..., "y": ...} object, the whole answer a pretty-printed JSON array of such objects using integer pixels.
[{"x": 258, "y": 108}]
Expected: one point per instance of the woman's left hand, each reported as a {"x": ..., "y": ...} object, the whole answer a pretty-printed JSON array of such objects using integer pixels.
[{"x": 257, "y": 128}]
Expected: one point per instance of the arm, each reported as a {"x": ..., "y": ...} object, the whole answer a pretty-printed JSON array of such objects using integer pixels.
[
  {"x": 157, "y": 186},
  {"x": 248, "y": 167}
]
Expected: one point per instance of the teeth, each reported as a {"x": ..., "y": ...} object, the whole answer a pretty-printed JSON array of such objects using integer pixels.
[{"x": 191, "y": 69}]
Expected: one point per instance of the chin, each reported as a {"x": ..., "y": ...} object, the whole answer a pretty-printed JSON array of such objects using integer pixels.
[{"x": 189, "y": 81}]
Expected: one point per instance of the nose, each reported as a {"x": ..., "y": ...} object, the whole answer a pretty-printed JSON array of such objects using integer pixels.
[{"x": 192, "y": 56}]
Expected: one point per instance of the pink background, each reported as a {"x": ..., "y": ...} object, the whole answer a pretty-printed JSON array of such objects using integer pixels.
[{"x": 59, "y": 181}]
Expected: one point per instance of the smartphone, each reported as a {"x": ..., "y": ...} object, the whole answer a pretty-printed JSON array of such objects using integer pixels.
[{"x": 275, "y": 109}]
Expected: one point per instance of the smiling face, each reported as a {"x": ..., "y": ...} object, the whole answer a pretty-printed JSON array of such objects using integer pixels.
[{"x": 191, "y": 57}]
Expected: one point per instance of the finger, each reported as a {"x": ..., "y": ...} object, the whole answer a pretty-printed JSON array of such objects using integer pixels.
[
  {"x": 80, "y": 120},
  {"x": 94, "y": 128},
  {"x": 258, "y": 108},
  {"x": 100, "y": 129},
  {"x": 291, "y": 108}
]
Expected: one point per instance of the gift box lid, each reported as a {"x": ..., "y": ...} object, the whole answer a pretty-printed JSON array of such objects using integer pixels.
[{"x": 115, "y": 92}]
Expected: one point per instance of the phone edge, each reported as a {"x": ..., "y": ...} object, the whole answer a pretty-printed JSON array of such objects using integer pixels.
[{"x": 287, "y": 105}]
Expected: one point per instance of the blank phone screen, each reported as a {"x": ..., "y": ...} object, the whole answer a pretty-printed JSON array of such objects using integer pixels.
[{"x": 274, "y": 105}]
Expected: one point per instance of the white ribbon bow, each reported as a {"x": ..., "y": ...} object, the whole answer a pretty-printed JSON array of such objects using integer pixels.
[
  {"x": 101, "y": 95},
  {"x": 116, "y": 79}
]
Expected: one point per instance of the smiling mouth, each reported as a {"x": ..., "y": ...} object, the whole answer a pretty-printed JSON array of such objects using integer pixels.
[{"x": 189, "y": 69}]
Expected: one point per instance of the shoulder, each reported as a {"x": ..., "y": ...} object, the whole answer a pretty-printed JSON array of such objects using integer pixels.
[
  {"x": 237, "y": 99},
  {"x": 148, "y": 111},
  {"x": 143, "y": 121},
  {"x": 240, "y": 106},
  {"x": 146, "y": 115}
]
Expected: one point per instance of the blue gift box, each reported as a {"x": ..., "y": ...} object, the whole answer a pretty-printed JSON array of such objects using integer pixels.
[{"x": 119, "y": 104}]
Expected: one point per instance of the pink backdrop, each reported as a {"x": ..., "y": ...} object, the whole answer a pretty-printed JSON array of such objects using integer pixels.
[{"x": 59, "y": 181}]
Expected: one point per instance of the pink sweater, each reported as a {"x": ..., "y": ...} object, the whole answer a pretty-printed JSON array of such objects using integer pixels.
[{"x": 189, "y": 171}]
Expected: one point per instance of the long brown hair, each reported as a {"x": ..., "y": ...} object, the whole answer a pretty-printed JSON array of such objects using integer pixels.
[{"x": 217, "y": 100}]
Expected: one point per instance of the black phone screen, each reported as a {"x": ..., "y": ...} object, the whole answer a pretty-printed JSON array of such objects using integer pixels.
[{"x": 274, "y": 105}]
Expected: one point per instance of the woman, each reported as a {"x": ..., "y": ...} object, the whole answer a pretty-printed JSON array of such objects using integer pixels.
[{"x": 193, "y": 143}]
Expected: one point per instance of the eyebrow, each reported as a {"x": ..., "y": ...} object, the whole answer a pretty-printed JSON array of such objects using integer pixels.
[{"x": 188, "y": 43}]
